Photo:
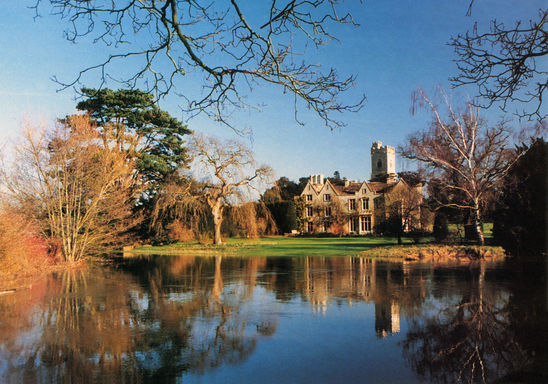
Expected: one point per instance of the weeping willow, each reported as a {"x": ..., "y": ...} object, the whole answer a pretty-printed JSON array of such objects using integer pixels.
[
  {"x": 178, "y": 203},
  {"x": 179, "y": 208},
  {"x": 251, "y": 219}
]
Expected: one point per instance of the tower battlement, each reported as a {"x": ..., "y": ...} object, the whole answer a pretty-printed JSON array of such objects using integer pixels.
[{"x": 383, "y": 161}]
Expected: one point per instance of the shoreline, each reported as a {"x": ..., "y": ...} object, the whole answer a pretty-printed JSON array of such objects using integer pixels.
[{"x": 436, "y": 253}]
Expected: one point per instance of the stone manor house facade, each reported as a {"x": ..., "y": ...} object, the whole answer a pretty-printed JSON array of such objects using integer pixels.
[{"x": 353, "y": 207}]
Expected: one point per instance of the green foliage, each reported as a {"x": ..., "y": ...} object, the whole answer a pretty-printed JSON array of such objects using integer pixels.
[
  {"x": 280, "y": 200},
  {"x": 153, "y": 136},
  {"x": 441, "y": 226},
  {"x": 300, "y": 207},
  {"x": 391, "y": 226},
  {"x": 284, "y": 214},
  {"x": 520, "y": 219}
]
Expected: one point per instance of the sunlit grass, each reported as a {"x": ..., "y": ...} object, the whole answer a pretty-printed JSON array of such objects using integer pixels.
[
  {"x": 459, "y": 228},
  {"x": 278, "y": 246}
]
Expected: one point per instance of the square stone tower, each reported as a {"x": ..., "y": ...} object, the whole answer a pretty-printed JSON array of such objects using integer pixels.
[{"x": 383, "y": 161}]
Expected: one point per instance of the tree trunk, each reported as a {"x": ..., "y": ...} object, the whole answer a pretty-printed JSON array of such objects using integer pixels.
[
  {"x": 217, "y": 211},
  {"x": 477, "y": 223}
]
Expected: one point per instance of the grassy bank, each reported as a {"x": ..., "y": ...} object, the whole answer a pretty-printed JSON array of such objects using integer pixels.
[
  {"x": 382, "y": 247},
  {"x": 276, "y": 246},
  {"x": 437, "y": 253}
]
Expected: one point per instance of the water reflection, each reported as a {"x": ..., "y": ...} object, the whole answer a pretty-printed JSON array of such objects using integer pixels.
[
  {"x": 155, "y": 319},
  {"x": 469, "y": 339}
]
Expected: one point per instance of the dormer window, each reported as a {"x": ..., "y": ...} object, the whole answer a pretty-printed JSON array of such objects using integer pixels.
[
  {"x": 327, "y": 197},
  {"x": 308, "y": 197}
]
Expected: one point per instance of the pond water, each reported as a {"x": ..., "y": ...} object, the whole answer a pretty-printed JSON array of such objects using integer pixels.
[{"x": 302, "y": 319}]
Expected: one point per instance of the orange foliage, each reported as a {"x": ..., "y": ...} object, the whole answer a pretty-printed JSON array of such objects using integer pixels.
[
  {"x": 180, "y": 232},
  {"x": 338, "y": 228},
  {"x": 22, "y": 251}
]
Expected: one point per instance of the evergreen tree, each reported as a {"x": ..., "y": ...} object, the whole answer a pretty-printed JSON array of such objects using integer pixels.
[
  {"x": 151, "y": 137},
  {"x": 520, "y": 219}
]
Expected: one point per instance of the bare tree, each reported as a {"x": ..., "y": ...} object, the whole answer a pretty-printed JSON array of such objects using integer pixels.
[
  {"x": 403, "y": 206},
  {"x": 224, "y": 44},
  {"x": 504, "y": 62},
  {"x": 229, "y": 170},
  {"x": 463, "y": 154},
  {"x": 77, "y": 186}
]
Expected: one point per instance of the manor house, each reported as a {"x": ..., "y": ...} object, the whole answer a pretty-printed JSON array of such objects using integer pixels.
[{"x": 351, "y": 206}]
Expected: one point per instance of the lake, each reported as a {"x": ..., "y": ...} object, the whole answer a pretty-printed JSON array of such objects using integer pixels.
[{"x": 277, "y": 320}]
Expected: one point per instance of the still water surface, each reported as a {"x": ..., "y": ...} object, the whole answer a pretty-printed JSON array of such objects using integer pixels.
[{"x": 229, "y": 319}]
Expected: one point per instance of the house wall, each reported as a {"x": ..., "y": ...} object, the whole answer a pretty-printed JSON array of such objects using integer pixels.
[
  {"x": 383, "y": 162},
  {"x": 316, "y": 207}
]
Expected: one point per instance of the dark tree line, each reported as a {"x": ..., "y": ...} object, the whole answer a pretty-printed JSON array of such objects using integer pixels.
[{"x": 520, "y": 216}]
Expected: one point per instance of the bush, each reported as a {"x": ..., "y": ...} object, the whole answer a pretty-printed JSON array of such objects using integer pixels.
[
  {"x": 180, "y": 232},
  {"x": 441, "y": 226},
  {"x": 204, "y": 238},
  {"x": 417, "y": 235},
  {"x": 21, "y": 249}
]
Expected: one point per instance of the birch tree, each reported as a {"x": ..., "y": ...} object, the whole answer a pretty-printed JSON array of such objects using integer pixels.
[{"x": 465, "y": 155}]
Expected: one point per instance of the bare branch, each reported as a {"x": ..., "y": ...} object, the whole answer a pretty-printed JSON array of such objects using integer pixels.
[
  {"x": 228, "y": 170},
  {"x": 465, "y": 158},
  {"x": 507, "y": 65},
  {"x": 215, "y": 42}
]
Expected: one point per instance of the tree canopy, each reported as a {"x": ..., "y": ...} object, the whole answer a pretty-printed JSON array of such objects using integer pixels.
[
  {"x": 151, "y": 136},
  {"x": 520, "y": 216},
  {"x": 228, "y": 169}
]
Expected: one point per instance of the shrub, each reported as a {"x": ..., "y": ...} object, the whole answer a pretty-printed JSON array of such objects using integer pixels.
[
  {"x": 21, "y": 249},
  {"x": 180, "y": 232},
  {"x": 441, "y": 226},
  {"x": 417, "y": 235},
  {"x": 204, "y": 238}
]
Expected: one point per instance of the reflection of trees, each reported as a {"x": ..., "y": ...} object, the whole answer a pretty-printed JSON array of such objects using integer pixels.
[
  {"x": 472, "y": 340},
  {"x": 160, "y": 318},
  {"x": 101, "y": 325}
]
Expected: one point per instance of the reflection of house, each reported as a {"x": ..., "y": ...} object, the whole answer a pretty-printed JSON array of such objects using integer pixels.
[
  {"x": 352, "y": 206},
  {"x": 387, "y": 318}
]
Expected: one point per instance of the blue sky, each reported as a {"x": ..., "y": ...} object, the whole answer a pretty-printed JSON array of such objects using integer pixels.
[{"x": 398, "y": 46}]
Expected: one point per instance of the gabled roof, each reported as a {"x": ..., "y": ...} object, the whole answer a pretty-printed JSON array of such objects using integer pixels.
[
  {"x": 328, "y": 185},
  {"x": 380, "y": 187},
  {"x": 312, "y": 187},
  {"x": 347, "y": 190},
  {"x": 367, "y": 186}
]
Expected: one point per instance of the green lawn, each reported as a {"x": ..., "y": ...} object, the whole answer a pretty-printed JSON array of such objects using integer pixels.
[
  {"x": 277, "y": 246},
  {"x": 487, "y": 229}
]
